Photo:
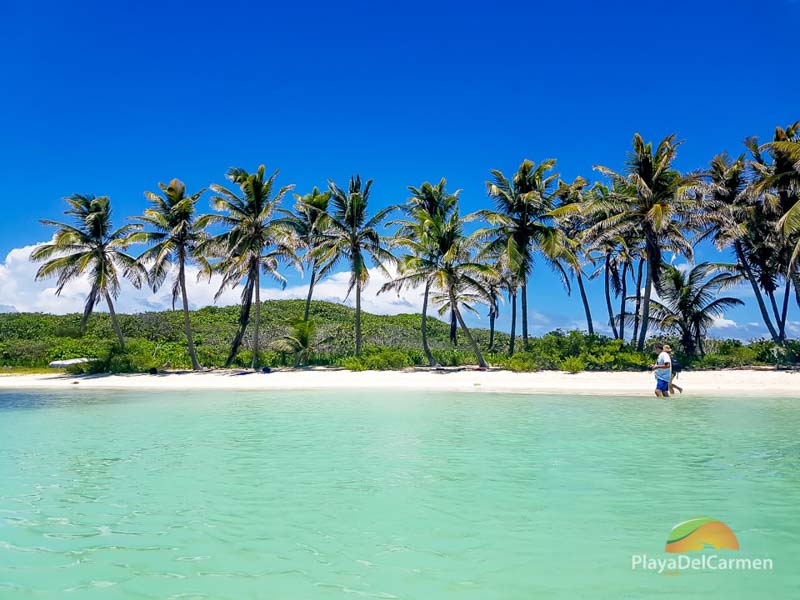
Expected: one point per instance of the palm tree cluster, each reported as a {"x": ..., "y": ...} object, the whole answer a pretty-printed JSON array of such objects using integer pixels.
[{"x": 620, "y": 228}]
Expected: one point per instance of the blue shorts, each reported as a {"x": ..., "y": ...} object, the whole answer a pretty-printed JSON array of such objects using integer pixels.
[{"x": 662, "y": 386}]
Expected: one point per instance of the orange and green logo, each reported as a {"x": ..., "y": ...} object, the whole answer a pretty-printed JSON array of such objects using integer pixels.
[{"x": 699, "y": 533}]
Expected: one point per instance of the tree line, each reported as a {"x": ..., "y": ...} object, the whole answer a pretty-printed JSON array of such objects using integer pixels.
[{"x": 618, "y": 228}]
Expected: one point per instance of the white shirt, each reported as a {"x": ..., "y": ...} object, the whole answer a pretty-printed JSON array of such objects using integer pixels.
[{"x": 664, "y": 374}]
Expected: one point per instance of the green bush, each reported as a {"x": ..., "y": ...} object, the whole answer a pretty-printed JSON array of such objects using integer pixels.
[
  {"x": 573, "y": 364},
  {"x": 520, "y": 362},
  {"x": 352, "y": 363},
  {"x": 375, "y": 359},
  {"x": 453, "y": 358}
]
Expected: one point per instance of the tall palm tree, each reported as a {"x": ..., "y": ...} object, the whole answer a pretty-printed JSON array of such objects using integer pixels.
[
  {"x": 652, "y": 195},
  {"x": 309, "y": 222},
  {"x": 175, "y": 237},
  {"x": 353, "y": 236},
  {"x": 573, "y": 224},
  {"x": 508, "y": 281},
  {"x": 690, "y": 302},
  {"x": 494, "y": 297},
  {"x": 251, "y": 244},
  {"x": 90, "y": 247},
  {"x": 780, "y": 183},
  {"x": 772, "y": 242},
  {"x": 457, "y": 279},
  {"x": 427, "y": 202},
  {"x": 522, "y": 221},
  {"x": 615, "y": 254},
  {"x": 727, "y": 210}
]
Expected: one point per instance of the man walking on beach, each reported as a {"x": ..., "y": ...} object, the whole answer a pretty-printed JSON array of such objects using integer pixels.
[{"x": 662, "y": 370}]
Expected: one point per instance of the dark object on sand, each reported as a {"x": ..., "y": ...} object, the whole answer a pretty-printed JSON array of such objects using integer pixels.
[
  {"x": 153, "y": 371},
  {"x": 266, "y": 370}
]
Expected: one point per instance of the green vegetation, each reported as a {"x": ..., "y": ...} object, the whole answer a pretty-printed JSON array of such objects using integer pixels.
[
  {"x": 156, "y": 340},
  {"x": 621, "y": 227}
]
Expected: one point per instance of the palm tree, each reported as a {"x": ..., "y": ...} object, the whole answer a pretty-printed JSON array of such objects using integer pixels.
[
  {"x": 727, "y": 210},
  {"x": 300, "y": 342},
  {"x": 611, "y": 279},
  {"x": 457, "y": 279},
  {"x": 781, "y": 182},
  {"x": 522, "y": 222},
  {"x": 615, "y": 254},
  {"x": 428, "y": 202},
  {"x": 353, "y": 236},
  {"x": 90, "y": 247},
  {"x": 252, "y": 243},
  {"x": 653, "y": 196},
  {"x": 572, "y": 224},
  {"x": 772, "y": 241},
  {"x": 782, "y": 178},
  {"x": 308, "y": 222},
  {"x": 690, "y": 302},
  {"x": 508, "y": 281},
  {"x": 494, "y": 296},
  {"x": 175, "y": 239}
]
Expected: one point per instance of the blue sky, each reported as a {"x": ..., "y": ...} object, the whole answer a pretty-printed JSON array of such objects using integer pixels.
[{"x": 112, "y": 97}]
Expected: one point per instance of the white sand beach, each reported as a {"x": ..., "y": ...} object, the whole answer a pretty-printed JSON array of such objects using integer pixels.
[{"x": 723, "y": 382}]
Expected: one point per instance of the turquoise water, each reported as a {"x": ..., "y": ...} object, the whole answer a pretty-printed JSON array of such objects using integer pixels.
[{"x": 357, "y": 495}]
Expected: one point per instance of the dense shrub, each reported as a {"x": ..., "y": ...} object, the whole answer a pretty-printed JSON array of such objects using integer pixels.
[
  {"x": 520, "y": 362},
  {"x": 573, "y": 364},
  {"x": 380, "y": 359},
  {"x": 157, "y": 340}
]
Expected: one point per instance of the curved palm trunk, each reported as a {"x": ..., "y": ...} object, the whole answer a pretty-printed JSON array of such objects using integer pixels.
[
  {"x": 114, "y": 321},
  {"x": 453, "y": 328},
  {"x": 310, "y": 290},
  {"x": 244, "y": 319},
  {"x": 638, "y": 309},
  {"x": 513, "y": 339},
  {"x": 491, "y": 330},
  {"x": 796, "y": 285},
  {"x": 91, "y": 300},
  {"x": 773, "y": 302},
  {"x": 358, "y": 318},
  {"x": 467, "y": 333},
  {"x": 756, "y": 290},
  {"x": 425, "y": 347},
  {"x": 524, "y": 303},
  {"x": 585, "y": 301},
  {"x": 648, "y": 289},
  {"x": 622, "y": 301},
  {"x": 187, "y": 324},
  {"x": 257, "y": 319},
  {"x": 785, "y": 309},
  {"x": 611, "y": 320}
]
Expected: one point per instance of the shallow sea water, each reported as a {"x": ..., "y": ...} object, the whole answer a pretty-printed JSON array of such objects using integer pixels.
[{"x": 377, "y": 495}]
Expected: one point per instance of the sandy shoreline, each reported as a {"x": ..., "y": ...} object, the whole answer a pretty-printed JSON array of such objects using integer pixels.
[{"x": 717, "y": 383}]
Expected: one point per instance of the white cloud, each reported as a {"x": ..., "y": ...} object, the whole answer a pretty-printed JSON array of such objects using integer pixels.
[
  {"x": 723, "y": 323},
  {"x": 19, "y": 291}
]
